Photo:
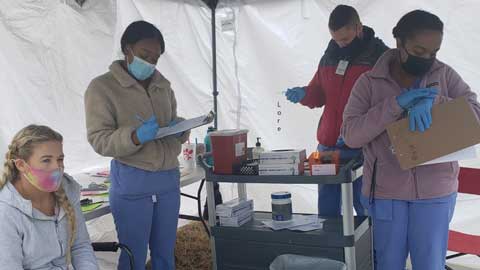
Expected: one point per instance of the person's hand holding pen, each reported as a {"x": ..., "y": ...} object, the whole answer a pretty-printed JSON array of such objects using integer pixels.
[{"x": 146, "y": 132}]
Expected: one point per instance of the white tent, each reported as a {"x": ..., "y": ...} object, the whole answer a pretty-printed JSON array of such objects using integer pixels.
[{"x": 51, "y": 50}]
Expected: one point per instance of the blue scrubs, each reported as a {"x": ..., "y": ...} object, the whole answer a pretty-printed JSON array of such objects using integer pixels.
[
  {"x": 329, "y": 196},
  {"x": 418, "y": 227},
  {"x": 330, "y": 199},
  {"x": 145, "y": 207}
]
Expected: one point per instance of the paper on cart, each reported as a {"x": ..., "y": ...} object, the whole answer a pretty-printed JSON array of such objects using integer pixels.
[
  {"x": 296, "y": 221},
  {"x": 464, "y": 154},
  {"x": 309, "y": 227},
  {"x": 185, "y": 125}
]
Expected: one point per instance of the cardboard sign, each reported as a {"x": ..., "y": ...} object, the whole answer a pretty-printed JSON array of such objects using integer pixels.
[{"x": 454, "y": 127}]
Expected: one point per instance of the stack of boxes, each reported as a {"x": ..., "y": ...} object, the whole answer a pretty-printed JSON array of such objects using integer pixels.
[
  {"x": 235, "y": 213},
  {"x": 282, "y": 162}
]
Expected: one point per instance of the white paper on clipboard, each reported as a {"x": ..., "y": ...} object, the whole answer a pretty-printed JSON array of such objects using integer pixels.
[
  {"x": 464, "y": 154},
  {"x": 185, "y": 125}
]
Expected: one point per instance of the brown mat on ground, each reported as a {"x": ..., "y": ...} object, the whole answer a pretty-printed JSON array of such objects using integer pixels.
[{"x": 192, "y": 251}]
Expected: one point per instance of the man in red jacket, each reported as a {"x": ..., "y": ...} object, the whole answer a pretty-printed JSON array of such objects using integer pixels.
[{"x": 353, "y": 50}]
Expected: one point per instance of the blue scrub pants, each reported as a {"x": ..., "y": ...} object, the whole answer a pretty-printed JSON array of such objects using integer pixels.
[
  {"x": 329, "y": 196},
  {"x": 145, "y": 207},
  {"x": 418, "y": 227},
  {"x": 330, "y": 199}
]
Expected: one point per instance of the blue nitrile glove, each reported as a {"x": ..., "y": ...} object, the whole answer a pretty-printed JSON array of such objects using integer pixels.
[
  {"x": 173, "y": 123},
  {"x": 147, "y": 131},
  {"x": 295, "y": 94},
  {"x": 346, "y": 153},
  {"x": 340, "y": 143},
  {"x": 409, "y": 98},
  {"x": 420, "y": 115}
]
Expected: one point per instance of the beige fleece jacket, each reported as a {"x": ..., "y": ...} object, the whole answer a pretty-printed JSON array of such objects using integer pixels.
[{"x": 112, "y": 103}]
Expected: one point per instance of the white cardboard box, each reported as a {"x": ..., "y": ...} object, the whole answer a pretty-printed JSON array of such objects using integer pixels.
[
  {"x": 323, "y": 169},
  {"x": 284, "y": 156},
  {"x": 237, "y": 221},
  {"x": 281, "y": 169},
  {"x": 279, "y": 172},
  {"x": 232, "y": 207}
]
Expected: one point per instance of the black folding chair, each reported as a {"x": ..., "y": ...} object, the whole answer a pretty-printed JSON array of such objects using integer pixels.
[{"x": 113, "y": 247}]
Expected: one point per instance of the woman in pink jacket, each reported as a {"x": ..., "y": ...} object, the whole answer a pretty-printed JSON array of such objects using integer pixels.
[{"x": 411, "y": 209}]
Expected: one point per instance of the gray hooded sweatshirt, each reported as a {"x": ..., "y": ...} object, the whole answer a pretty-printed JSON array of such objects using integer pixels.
[{"x": 30, "y": 240}]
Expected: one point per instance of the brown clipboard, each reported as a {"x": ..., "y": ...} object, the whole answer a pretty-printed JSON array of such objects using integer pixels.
[{"x": 454, "y": 127}]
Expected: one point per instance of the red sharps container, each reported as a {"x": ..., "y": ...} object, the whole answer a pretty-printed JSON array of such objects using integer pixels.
[{"x": 229, "y": 150}]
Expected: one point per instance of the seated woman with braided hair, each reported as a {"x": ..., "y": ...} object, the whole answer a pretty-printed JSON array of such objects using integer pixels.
[{"x": 41, "y": 224}]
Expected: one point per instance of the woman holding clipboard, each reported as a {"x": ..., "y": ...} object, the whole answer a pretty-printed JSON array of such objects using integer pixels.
[
  {"x": 125, "y": 108},
  {"x": 411, "y": 209}
]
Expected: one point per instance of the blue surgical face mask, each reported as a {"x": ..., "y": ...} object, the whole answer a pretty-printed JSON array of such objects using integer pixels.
[{"x": 140, "y": 69}]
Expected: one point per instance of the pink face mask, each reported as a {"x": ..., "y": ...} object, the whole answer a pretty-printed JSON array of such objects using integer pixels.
[{"x": 48, "y": 181}]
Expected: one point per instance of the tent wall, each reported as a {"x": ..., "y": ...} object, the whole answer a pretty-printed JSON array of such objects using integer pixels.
[{"x": 52, "y": 49}]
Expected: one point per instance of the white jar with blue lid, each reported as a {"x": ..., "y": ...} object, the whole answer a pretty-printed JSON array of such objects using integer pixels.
[{"x": 281, "y": 206}]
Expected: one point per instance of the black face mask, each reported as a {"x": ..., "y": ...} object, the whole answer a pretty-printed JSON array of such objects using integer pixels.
[
  {"x": 417, "y": 66},
  {"x": 351, "y": 50}
]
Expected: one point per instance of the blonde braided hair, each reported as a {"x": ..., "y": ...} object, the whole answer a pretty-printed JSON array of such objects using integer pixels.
[
  {"x": 22, "y": 147},
  {"x": 10, "y": 172},
  {"x": 63, "y": 201}
]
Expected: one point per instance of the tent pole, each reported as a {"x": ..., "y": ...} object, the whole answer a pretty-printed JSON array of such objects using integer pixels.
[
  {"x": 210, "y": 196},
  {"x": 214, "y": 65}
]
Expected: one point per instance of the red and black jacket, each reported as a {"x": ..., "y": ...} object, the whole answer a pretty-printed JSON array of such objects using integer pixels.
[{"x": 332, "y": 90}]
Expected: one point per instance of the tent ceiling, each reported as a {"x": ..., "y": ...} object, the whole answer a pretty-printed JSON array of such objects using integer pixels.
[
  {"x": 211, "y": 3},
  {"x": 80, "y": 2}
]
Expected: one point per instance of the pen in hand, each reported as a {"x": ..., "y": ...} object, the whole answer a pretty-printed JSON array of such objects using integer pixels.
[{"x": 140, "y": 118}]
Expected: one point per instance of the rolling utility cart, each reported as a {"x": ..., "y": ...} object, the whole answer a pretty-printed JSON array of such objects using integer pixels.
[{"x": 253, "y": 246}]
